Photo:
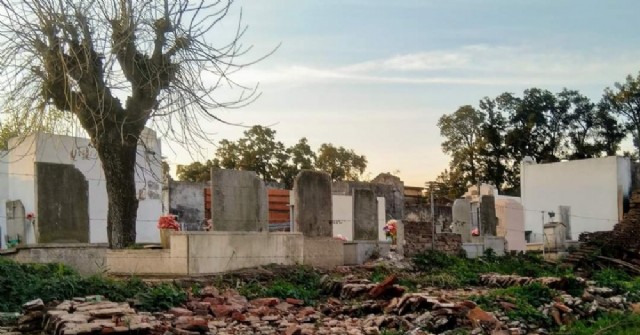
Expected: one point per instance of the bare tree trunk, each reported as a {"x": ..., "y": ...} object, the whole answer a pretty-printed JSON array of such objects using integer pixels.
[{"x": 118, "y": 162}]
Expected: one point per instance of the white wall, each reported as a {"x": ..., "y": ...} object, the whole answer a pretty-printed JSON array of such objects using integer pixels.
[
  {"x": 342, "y": 212},
  {"x": 510, "y": 215},
  {"x": 382, "y": 218},
  {"x": 4, "y": 193},
  {"x": 78, "y": 152},
  {"x": 590, "y": 187},
  {"x": 22, "y": 184}
]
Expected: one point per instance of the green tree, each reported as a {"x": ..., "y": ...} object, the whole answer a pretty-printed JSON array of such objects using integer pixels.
[
  {"x": 623, "y": 100},
  {"x": 117, "y": 66},
  {"x": 450, "y": 184},
  {"x": 18, "y": 125},
  {"x": 259, "y": 151},
  {"x": 195, "y": 172},
  {"x": 537, "y": 125},
  {"x": 340, "y": 163},
  {"x": 592, "y": 130},
  {"x": 462, "y": 131},
  {"x": 301, "y": 157},
  {"x": 493, "y": 155},
  {"x": 610, "y": 131}
]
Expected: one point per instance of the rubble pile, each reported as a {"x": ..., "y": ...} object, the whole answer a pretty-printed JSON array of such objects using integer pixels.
[
  {"x": 498, "y": 280},
  {"x": 358, "y": 307},
  {"x": 619, "y": 247}
]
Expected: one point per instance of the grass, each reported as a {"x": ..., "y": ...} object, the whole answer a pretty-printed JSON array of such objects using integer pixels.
[
  {"x": 300, "y": 283},
  {"x": 526, "y": 298},
  {"x": 619, "y": 281},
  {"x": 454, "y": 272},
  {"x": 54, "y": 282},
  {"x": 608, "y": 324}
]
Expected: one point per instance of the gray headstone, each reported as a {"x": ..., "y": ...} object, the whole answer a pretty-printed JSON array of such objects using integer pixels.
[
  {"x": 488, "y": 215},
  {"x": 394, "y": 198},
  {"x": 313, "y": 205},
  {"x": 365, "y": 215},
  {"x": 462, "y": 219},
  {"x": 392, "y": 190},
  {"x": 238, "y": 201},
  {"x": 565, "y": 217}
]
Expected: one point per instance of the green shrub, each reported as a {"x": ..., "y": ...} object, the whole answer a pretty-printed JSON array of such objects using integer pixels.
[{"x": 612, "y": 278}]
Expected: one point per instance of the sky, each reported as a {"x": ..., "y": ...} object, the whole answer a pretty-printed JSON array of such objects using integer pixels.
[{"x": 374, "y": 76}]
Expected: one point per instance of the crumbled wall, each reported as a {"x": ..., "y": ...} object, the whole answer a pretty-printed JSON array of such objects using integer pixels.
[
  {"x": 186, "y": 200},
  {"x": 418, "y": 238}
]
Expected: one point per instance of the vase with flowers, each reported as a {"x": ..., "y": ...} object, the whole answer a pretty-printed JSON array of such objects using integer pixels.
[
  {"x": 166, "y": 224},
  {"x": 391, "y": 230}
]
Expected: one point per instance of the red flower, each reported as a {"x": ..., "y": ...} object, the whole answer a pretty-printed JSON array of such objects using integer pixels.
[
  {"x": 168, "y": 222},
  {"x": 31, "y": 216}
]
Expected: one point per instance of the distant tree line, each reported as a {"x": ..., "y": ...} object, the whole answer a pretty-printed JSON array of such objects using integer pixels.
[
  {"x": 259, "y": 151},
  {"x": 487, "y": 142}
]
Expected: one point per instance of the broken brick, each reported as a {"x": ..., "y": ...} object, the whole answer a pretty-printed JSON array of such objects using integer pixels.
[{"x": 380, "y": 289}]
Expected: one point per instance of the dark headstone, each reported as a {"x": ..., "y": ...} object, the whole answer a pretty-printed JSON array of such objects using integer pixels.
[
  {"x": 313, "y": 205},
  {"x": 365, "y": 215},
  {"x": 488, "y": 220},
  {"x": 63, "y": 204}
]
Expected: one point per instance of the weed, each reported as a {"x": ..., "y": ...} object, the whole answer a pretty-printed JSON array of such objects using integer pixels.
[
  {"x": 391, "y": 332},
  {"x": 619, "y": 281},
  {"x": 608, "y": 324},
  {"x": 526, "y": 298},
  {"x": 467, "y": 271},
  {"x": 379, "y": 274},
  {"x": 23, "y": 282},
  {"x": 301, "y": 283},
  {"x": 443, "y": 280},
  {"x": 161, "y": 297}
]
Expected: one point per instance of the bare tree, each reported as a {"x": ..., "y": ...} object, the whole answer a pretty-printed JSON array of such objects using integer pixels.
[{"x": 118, "y": 65}]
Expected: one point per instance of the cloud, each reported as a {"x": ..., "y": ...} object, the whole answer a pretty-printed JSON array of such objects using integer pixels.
[
  {"x": 422, "y": 61},
  {"x": 472, "y": 65}
]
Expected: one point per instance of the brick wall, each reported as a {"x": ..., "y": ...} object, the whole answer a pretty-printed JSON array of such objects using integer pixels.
[{"x": 417, "y": 237}]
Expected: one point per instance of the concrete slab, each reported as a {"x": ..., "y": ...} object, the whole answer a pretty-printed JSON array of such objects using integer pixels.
[{"x": 358, "y": 252}]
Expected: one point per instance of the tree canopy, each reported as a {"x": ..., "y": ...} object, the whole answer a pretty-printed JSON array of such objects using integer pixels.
[
  {"x": 259, "y": 151},
  {"x": 487, "y": 144}
]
